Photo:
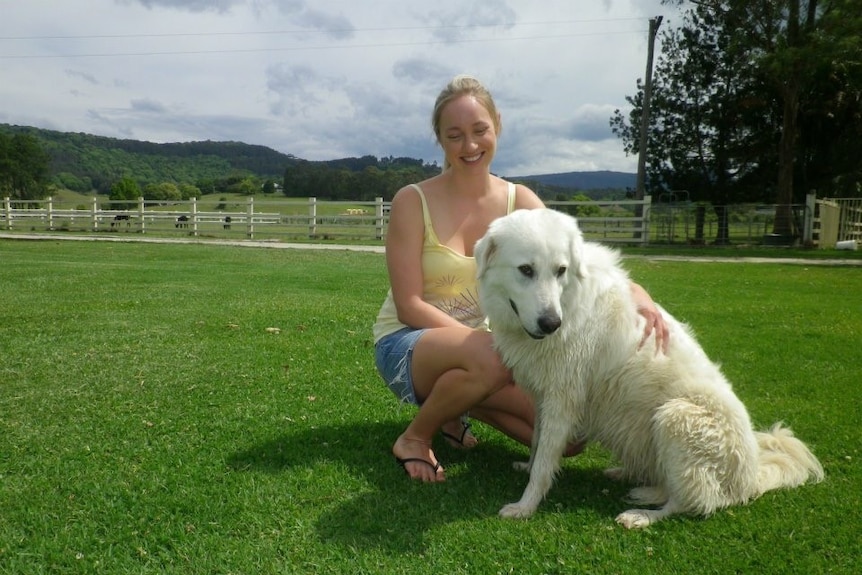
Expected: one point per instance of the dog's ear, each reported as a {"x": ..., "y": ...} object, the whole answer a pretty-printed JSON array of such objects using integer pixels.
[
  {"x": 484, "y": 251},
  {"x": 576, "y": 239}
]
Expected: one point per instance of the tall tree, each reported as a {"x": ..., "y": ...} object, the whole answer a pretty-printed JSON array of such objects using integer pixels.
[
  {"x": 23, "y": 167},
  {"x": 733, "y": 89},
  {"x": 703, "y": 89},
  {"x": 788, "y": 50}
]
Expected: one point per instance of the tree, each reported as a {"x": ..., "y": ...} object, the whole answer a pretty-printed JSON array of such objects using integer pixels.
[
  {"x": 125, "y": 189},
  {"x": 581, "y": 211},
  {"x": 164, "y": 191},
  {"x": 245, "y": 187},
  {"x": 189, "y": 191},
  {"x": 73, "y": 182},
  {"x": 23, "y": 167},
  {"x": 791, "y": 42},
  {"x": 705, "y": 105},
  {"x": 831, "y": 124},
  {"x": 736, "y": 88}
]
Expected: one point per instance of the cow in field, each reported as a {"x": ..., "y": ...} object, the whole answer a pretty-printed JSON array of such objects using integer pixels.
[{"x": 119, "y": 219}]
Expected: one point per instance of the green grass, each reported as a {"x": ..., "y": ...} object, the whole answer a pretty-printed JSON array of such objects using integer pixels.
[{"x": 149, "y": 423}]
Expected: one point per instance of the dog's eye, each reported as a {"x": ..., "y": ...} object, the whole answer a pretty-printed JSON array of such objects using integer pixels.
[
  {"x": 561, "y": 271},
  {"x": 526, "y": 270}
]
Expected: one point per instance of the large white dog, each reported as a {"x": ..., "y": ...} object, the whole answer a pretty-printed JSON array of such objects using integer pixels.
[{"x": 564, "y": 321}]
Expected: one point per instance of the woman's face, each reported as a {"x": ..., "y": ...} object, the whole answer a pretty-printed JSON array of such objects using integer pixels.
[{"x": 467, "y": 134}]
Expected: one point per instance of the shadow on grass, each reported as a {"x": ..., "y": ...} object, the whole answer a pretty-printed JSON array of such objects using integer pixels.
[{"x": 396, "y": 513}]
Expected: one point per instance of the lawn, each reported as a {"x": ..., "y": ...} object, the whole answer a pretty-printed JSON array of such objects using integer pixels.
[{"x": 150, "y": 422}]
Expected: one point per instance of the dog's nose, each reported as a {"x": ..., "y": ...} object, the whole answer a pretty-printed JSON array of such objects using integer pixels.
[{"x": 549, "y": 323}]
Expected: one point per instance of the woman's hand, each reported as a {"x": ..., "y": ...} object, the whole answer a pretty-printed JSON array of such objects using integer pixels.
[{"x": 654, "y": 321}]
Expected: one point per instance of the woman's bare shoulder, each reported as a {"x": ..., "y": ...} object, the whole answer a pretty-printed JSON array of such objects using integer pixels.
[
  {"x": 428, "y": 185},
  {"x": 525, "y": 198}
]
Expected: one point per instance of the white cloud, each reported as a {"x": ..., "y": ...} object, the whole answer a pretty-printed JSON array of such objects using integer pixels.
[{"x": 326, "y": 80}]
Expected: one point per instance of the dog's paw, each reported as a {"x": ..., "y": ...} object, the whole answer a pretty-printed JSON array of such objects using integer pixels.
[
  {"x": 634, "y": 519},
  {"x": 516, "y": 511},
  {"x": 521, "y": 466}
]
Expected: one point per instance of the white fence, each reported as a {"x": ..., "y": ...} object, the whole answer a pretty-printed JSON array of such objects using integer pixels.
[
  {"x": 251, "y": 220},
  {"x": 819, "y": 222},
  {"x": 277, "y": 219}
]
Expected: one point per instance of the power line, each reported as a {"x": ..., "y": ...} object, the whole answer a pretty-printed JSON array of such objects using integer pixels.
[
  {"x": 314, "y": 48},
  {"x": 302, "y": 31}
]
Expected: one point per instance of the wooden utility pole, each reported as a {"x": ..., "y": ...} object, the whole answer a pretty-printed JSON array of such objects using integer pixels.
[{"x": 654, "y": 23}]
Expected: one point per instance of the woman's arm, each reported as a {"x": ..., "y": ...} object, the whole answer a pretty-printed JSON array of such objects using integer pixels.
[
  {"x": 654, "y": 320},
  {"x": 404, "y": 240}
]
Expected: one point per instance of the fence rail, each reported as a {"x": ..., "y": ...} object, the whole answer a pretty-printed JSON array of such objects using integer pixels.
[
  {"x": 820, "y": 222},
  {"x": 253, "y": 220},
  {"x": 277, "y": 219}
]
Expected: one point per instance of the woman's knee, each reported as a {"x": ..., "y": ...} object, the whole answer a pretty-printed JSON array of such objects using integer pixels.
[
  {"x": 472, "y": 357},
  {"x": 492, "y": 372}
]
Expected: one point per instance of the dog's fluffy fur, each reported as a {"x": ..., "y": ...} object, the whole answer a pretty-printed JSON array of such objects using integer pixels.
[{"x": 564, "y": 320}]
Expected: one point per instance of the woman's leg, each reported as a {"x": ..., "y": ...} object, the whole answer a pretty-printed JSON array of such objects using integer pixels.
[
  {"x": 454, "y": 370},
  {"x": 510, "y": 410}
]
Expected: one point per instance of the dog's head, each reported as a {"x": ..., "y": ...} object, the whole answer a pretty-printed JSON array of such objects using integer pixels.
[{"x": 524, "y": 263}]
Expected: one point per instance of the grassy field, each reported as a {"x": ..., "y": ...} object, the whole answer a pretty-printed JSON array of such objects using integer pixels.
[{"x": 151, "y": 423}]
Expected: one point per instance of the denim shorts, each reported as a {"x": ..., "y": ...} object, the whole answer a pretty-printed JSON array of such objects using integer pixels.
[{"x": 393, "y": 356}]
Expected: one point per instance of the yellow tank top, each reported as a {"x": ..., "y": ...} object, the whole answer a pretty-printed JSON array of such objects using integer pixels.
[{"x": 449, "y": 280}]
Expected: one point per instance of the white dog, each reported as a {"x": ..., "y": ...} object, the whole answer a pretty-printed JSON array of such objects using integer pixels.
[{"x": 564, "y": 321}]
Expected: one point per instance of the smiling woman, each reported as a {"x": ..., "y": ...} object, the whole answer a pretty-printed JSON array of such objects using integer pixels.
[
  {"x": 433, "y": 347},
  {"x": 472, "y": 123}
]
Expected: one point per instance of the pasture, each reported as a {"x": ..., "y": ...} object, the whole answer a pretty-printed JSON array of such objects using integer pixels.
[{"x": 150, "y": 422}]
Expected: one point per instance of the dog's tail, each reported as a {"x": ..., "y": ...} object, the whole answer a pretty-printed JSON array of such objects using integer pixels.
[{"x": 784, "y": 460}]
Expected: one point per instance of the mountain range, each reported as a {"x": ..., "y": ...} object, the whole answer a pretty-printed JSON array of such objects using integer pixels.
[
  {"x": 599, "y": 180},
  {"x": 97, "y": 161}
]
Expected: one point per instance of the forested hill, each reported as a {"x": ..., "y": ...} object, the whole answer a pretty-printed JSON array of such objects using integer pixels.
[
  {"x": 101, "y": 161},
  {"x": 84, "y": 162}
]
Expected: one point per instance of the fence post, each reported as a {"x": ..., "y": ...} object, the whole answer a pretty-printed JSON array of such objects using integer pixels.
[
  {"x": 378, "y": 215},
  {"x": 194, "y": 215},
  {"x": 7, "y": 209},
  {"x": 830, "y": 223},
  {"x": 250, "y": 216},
  {"x": 808, "y": 219},
  {"x": 647, "y": 208},
  {"x": 312, "y": 217},
  {"x": 50, "y": 204},
  {"x": 141, "y": 214},
  {"x": 95, "y": 213}
]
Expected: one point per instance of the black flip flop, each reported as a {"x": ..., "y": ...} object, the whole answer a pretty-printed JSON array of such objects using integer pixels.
[
  {"x": 458, "y": 441},
  {"x": 403, "y": 463}
]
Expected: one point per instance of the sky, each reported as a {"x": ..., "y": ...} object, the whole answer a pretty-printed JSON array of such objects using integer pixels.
[{"x": 329, "y": 79}]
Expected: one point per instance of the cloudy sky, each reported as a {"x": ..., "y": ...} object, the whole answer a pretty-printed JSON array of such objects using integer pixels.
[{"x": 328, "y": 79}]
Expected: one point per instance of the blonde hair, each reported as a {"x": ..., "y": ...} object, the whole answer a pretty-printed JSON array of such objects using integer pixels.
[{"x": 463, "y": 85}]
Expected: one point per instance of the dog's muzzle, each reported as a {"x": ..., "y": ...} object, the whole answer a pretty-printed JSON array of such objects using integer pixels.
[{"x": 548, "y": 323}]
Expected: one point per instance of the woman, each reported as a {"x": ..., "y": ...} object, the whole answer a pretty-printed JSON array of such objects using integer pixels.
[{"x": 432, "y": 345}]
